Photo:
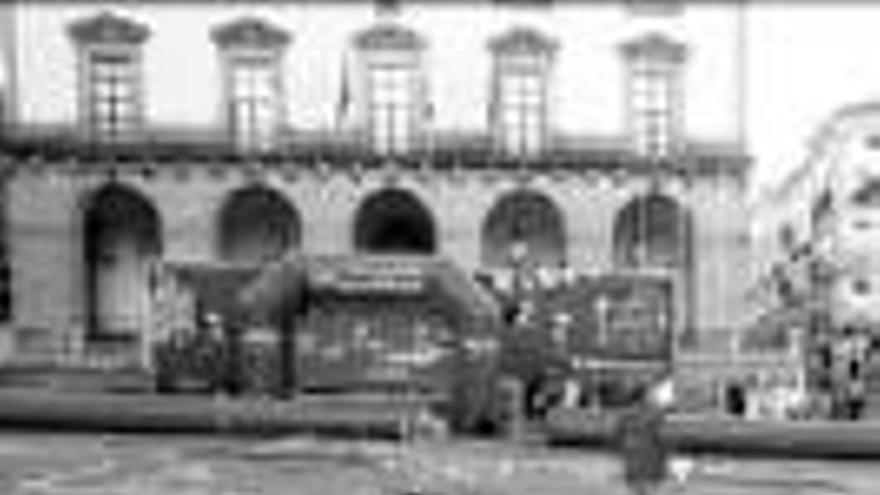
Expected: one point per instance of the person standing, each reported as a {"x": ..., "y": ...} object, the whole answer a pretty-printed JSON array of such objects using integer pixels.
[{"x": 643, "y": 449}]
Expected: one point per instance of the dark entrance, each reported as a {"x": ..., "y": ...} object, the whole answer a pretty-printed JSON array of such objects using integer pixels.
[
  {"x": 735, "y": 399},
  {"x": 394, "y": 221}
]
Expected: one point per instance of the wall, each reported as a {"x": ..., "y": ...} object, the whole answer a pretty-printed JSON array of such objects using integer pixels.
[{"x": 183, "y": 83}]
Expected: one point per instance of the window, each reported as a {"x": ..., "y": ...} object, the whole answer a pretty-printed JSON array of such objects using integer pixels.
[
  {"x": 652, "y": 110},
  {"x": 254, "y": 103},
  {"x": 655, "y": 106},
  {"x": 392, "y": 101},
  {"x": 252, "y": 51},
  {"x": 114, "y": 99},
  {"x": 396, "y": 101},
  {"x": 110, "y": 53},
  {"x": 521, "y": 98},
  {"x": 518, "y": 109}
]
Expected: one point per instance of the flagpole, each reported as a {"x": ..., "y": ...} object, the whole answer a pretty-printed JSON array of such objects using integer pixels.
[{"x": 344, "y": 103}]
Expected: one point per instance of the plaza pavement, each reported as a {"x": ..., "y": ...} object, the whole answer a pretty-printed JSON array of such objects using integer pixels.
[{"x": 51, "y": 464}]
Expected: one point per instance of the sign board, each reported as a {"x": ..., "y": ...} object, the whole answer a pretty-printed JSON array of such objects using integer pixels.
[{"x": 369, "y": 278}]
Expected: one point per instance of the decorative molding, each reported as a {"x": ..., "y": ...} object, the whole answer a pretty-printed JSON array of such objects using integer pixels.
[
  {"x": 389, "y": 36},
  {"x": 390, "y": 172},
  {"x": 523, "y": 176},
  {"x": 655, "y": 45},
  {"x": 250, "y": 32},
  {"x": 523, "y": 40},
  {"x": 655, "y": 7},
  {"x": 108, "y": 28},
  {"x": 323, "y": 170},
  {"x": 182, "y": 172}
]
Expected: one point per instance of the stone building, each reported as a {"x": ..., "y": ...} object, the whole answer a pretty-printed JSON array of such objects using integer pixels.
[
  {"x": 599, "y": 136},
  {"x": 817, "y": 229},
  {"x": 819, "y": 276}
]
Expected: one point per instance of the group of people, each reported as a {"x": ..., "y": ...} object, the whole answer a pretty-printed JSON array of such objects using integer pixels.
[{"x": 200, "y": 358}]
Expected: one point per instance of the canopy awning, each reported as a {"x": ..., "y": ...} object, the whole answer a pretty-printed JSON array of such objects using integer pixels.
[
  {"x": 285, "y": 285},
  {"x": 216, "y": 286}
]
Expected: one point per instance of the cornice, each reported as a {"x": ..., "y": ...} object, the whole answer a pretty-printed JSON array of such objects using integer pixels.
[
  {"x": 522, "y": 40},
  {"x": 250, "y": 32},
  {"x": 108, "y": 28},
  {"x": 656, "y": 46},
  {"x": 389, "y": 36}
]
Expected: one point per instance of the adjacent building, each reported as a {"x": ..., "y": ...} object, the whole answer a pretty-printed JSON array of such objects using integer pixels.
[{"x": 818, "y": 231}]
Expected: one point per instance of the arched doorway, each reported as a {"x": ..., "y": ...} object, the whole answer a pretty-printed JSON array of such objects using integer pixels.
[
  {"x": 394, "y": 221},
  {"x": 122, "y": 238},
  {"x": 257, "y": 225},
  {"x": 654, "y": 231},
  {"x": 526, "y": 219}
]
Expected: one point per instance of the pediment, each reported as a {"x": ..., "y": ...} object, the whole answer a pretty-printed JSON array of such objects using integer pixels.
[
  {"x": 656, "y": 46},
  {"x": 108, "y": 27},
  {"x": 389, "y": 36},
  {"x": 250, "y": 32},
  {"x": 522, "y": 40}
]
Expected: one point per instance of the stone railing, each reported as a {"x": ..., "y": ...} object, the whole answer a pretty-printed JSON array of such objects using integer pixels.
[{"x": 43, "y": 348}]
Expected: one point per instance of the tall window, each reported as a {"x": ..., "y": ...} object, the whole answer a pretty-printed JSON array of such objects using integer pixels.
[
  {"x": 110, "y": 74},
  {"x": 522, "y": 107},
  {"x": 518, "y": 109},
  {"x": 655, "y": 95},
  {"x": 252, "y": 51},
  {"x": 114, "y": 96},
  {"x": 392, "y": 101},
  {"x": 254, "y": 102},
  {"x": 396, "y": 104}
]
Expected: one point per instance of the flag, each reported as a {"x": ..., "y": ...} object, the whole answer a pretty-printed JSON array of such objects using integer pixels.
[{"x": 344, "y": 102}]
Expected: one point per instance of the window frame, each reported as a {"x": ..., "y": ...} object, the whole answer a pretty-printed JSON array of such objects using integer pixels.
[
  {"x": 413, "y": 125},
  {"x": 519, "y": 117},
  {"x": 398, "y": 133},
  {"x": 655, "y": 98},
  {"x": 250, "y": 138},
  {"x": 90, "y": 100}
]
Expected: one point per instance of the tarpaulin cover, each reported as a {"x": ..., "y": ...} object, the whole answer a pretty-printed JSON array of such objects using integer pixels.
[
  {"x": 285, "y": 285},
  {"x": 216, "y": 286}
]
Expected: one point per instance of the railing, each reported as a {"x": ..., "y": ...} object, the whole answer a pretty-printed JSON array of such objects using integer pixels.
[
  {"x": 45, "y": 348},
  {"x": 445, "y": 149}
]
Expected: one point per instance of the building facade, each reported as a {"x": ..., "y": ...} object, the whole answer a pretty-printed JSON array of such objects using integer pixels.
[
  {"x": 819, "y": 277},
  {"x": 817, "y": 228},
  {"x": 595, "y": 137}
]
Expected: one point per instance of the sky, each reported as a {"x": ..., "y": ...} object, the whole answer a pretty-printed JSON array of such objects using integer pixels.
[{"x": 804, "y": 61}]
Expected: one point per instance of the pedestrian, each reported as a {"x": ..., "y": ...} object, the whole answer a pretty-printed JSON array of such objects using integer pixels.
[{"x": 643, "y": 448}]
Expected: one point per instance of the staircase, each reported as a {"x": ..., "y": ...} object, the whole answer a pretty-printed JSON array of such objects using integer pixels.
[{"x": 80, "y": 379}]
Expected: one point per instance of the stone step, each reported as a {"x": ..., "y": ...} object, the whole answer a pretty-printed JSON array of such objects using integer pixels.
[{"x": 78, "y": 380}]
